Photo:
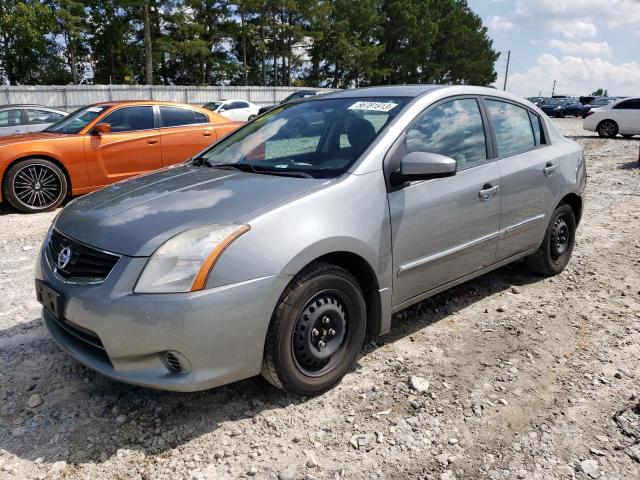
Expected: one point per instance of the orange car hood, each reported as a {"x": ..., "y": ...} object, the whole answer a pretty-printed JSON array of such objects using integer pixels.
[{"x": 30, "y": 137}]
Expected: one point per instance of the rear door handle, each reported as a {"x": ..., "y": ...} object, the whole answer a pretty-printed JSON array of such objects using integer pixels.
[
  {"x": 151, "y": 141},
  {"x": 549, "y": 169},
  {"x": 488, "y": 191},
  {"x": 207, "y": 133}
]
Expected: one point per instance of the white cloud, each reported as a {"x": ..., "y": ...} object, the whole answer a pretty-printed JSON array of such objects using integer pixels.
[
  {"x": 501, "y": 23},
  {"x": 587, "y": 49},
  {"x": 615, "y": 13},
  {"x": 576, "y": 76},
  {"x": 573, "y": 29}
]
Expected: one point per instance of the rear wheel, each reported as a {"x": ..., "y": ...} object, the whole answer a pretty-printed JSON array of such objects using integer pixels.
[
  {"x": 316, "y": 331},
  {"x": 554, "y": 253},
  {"x": 35, "y": 185},
  {"x": 251, "y": 117},
  {"x": 607, "y": 128}
]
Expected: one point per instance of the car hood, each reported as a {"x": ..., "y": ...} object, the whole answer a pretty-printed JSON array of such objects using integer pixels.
[
  {"x": 135, "y": 216},
  {"x": 29, "y": 137}
]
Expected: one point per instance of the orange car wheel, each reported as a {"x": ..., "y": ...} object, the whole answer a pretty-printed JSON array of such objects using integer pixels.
[{"x": 35, "y": 185}]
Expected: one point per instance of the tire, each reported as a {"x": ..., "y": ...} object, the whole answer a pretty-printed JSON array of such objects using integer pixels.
[
  {"x": 560, "y": 114},
  {"x": 554, "y": 252},
  {"x": 251, "y": 117},
  {"x": 627, "y": 136},
  {"x": 607, "y": 129},
  {"x": 322, "y": 304},
  {"x": 35, "y": 185}
]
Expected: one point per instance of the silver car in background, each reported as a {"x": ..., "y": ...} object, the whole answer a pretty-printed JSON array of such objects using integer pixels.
[
  {"x": 25, "y": 118},
  {"x": 274, "y": 251}
]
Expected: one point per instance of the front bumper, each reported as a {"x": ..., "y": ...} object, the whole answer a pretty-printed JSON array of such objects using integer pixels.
[{"x": 218, "y": 333}]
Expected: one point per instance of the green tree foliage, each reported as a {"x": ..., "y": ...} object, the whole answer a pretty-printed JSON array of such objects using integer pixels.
[
  {"x": 334, "y": 43},
  {"x": 28, "y": 51}
]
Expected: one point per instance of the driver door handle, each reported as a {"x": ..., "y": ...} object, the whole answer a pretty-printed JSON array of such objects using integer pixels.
[
  {"x": 549, "y": 169},
  {"x": 207, "y": 133},
  {"x": 151, "y": 141},
  {"x": 488, "y": 191}
]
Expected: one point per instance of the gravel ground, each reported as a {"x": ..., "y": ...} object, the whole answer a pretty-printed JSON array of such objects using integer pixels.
[{"x": 508, "y": 376}]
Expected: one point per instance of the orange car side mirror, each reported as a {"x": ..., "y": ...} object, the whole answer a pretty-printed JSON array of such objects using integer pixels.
[{"x": 102, "y": 128}]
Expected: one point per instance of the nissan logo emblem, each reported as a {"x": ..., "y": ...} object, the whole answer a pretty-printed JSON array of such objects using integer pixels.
[{"x": 63, "y": 257}]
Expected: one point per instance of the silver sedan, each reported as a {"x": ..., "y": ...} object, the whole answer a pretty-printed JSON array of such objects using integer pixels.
[{"x": 275, "y": 250}]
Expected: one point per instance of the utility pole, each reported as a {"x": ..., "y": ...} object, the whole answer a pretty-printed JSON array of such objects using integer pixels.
[
  {"x": 553, "y": 90},
  {"x": 506, "y": 73}
]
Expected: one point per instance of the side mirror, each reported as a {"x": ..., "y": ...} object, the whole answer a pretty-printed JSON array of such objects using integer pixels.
[
  {"x": 425, "y": 166},
  {"x": 102, "y": 128}
]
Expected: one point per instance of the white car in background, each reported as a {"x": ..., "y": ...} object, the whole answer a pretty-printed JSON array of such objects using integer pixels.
[
  {"x": 620, "y": 117},
  {"x": 236, "y": 110},
  {"x": 24, "y": 118}
]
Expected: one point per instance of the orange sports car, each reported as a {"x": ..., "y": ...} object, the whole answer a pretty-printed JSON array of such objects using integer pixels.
[{"x": 101, "y": 144}]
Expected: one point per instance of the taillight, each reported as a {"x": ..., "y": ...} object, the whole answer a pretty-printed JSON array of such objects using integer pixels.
[{"x": 590, "y": 113}]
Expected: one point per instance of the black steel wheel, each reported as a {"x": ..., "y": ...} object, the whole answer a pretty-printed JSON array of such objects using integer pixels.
[
  {"x": 316, "y": 330},
  {"x": 554, "y": 252},
  {"x": 321, "y": 333},
  {"x": 607, "y": 128},
  {"x": 35, "y": 185}
]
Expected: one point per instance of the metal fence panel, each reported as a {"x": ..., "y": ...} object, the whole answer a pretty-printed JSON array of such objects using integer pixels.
[{"x": 69, "y": 97}]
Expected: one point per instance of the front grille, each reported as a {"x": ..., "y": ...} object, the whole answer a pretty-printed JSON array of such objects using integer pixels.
[{"x": 84, "y": 265}]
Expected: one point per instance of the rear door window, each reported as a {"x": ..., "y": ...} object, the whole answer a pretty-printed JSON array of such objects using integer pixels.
[
  {"x": 174, "y": 116},
  {"x": 127, "y": 119},
  {"x": 633, "y": 104},
  {"x": 512, "y": 127},
  {"x": 454, "y": 129}
]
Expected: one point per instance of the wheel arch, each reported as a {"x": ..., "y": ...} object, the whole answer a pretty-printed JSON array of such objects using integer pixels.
[
  {"x": 51, "y": 159},
  {"x": 366, "y": 277},
  {"x": 575, "y": 202}
]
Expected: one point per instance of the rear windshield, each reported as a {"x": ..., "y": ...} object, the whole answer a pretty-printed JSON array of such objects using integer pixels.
[
  {"x": 76, "y": 121},
  {"x": 321, "y": 138}
]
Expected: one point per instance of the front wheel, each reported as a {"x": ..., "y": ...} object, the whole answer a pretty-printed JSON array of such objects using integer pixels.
[
  {"x": 316, "y": 331},
  {"x": 35, "y": 185},
  {"x": 251, "y": 117},
  {"x": 554, "y": 253}
]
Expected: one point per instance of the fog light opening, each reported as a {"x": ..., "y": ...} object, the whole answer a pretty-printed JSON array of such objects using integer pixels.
[{"x": 173, "y": 362}]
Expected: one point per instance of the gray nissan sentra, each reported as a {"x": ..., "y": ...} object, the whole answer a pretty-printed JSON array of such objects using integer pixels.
[{"x": 274, "y": 251}]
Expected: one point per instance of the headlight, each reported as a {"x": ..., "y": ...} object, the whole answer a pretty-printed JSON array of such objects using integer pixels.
[{"x": 183, "y": 263}]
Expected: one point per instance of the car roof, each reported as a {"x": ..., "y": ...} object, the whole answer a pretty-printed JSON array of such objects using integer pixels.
[
  {"x": 142, "y": 102},
  {"x": 384, "y": 91},
  {"x": 23, "y": 105}
]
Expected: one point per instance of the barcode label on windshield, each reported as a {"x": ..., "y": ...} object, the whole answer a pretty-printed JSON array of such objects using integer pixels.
[{"x": 373, "y": 106}]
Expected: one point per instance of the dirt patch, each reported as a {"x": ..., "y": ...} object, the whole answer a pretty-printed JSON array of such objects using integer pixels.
[{"x": 527, "y": 377}]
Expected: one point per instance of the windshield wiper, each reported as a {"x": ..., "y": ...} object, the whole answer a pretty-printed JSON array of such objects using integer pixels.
[
  {"x": 248, "y": 168},
  {"x": 284, "y": 173}
]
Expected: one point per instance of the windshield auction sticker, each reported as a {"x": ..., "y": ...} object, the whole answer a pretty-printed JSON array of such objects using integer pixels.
[{"x": 373, "y": 106}]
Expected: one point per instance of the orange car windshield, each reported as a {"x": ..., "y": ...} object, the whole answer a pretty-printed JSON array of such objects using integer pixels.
[{"x": 76, "y": 121}]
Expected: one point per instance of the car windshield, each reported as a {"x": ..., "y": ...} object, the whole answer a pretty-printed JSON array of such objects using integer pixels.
[
  {"x": 601, "y": 101},
  {"x": 557, "y": 101},
  {"x": 317, "y": 138},
  {"x": 77, "y": 120}
]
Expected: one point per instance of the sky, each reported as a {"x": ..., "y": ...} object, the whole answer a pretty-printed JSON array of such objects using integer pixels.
[{"x": 581, "y": 44}]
